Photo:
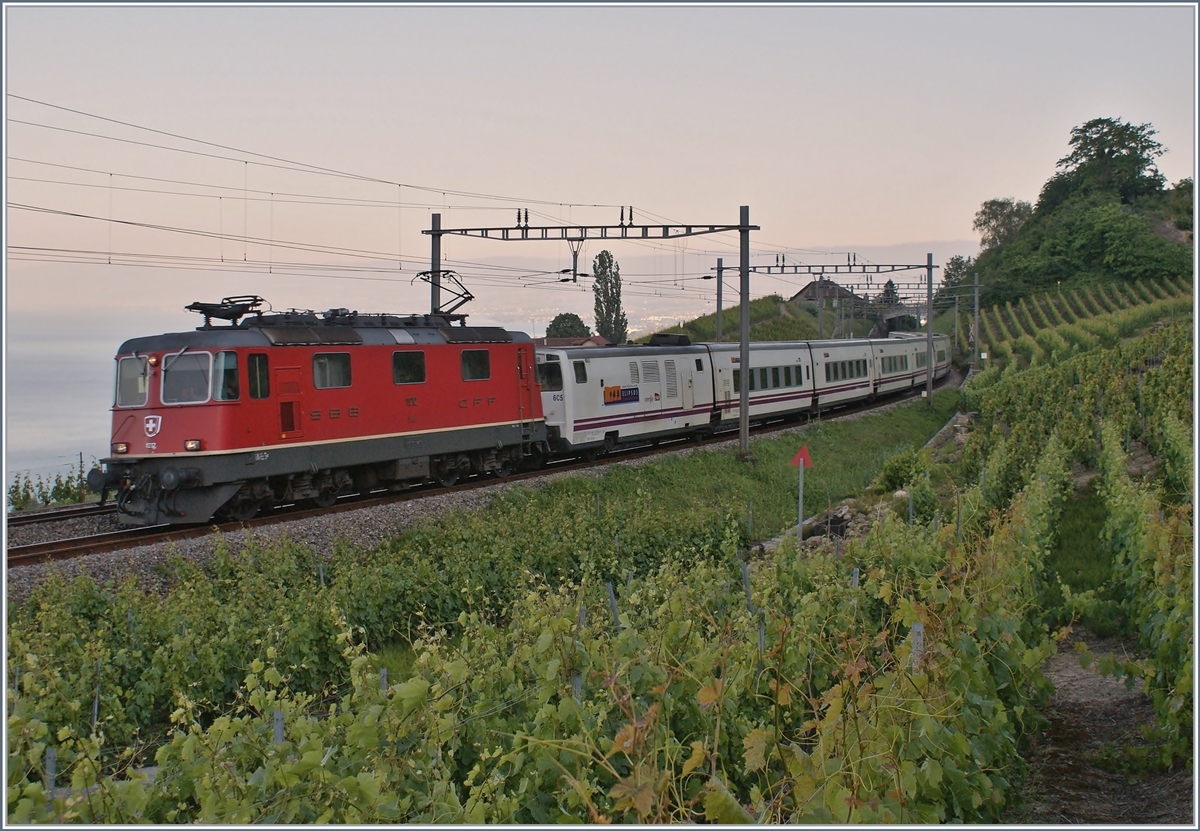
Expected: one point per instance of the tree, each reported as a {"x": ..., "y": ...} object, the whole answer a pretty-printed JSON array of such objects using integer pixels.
[
  {"x": 889, "y": 296},
  {"x": 999, "y": 220},
  {"x": 959, "y": 271},
  {"x": 1114, "y": 155},
  {"x": 568, "y": 325},
  {"x": 610, "y": 319}
]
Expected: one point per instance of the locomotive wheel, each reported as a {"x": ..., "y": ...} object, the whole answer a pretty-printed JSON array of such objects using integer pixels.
[
  {"x": 506, "y": 469},
  {"x": 244, "y": 509},
  {"x": 326, "y": 498},
  {"x": 447, "y": 477}
]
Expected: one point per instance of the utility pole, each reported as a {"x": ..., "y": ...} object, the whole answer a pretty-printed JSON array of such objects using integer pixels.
[
  {"x": 975, "y": 329},
  {"x": 929, "y": 330},
  {"x": 435, "y": 265},
  {"x": 720, "y": 282},
  {"x": 956, "y": 347},
  {"x": 820, "y": 306},
  {"x": 744, "y": 354}
]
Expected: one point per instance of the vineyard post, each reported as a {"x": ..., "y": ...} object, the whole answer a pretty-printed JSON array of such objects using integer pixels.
[
  {"x": 746, "y": 585},
  {"x": 96, "y": 700},
  {"x": 910, "y": 506},
  {"x": 917, "y": 636},
  {"x": 612, "y": 602},
  {"x": 51, "y": 771},
  {"x": 854, "y": 578},
  {"x": 383, "y": 679},
  {"x": 577, "y": 682}
]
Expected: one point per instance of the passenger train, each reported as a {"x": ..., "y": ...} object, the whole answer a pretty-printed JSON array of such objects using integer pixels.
[{"x": 264, "y": 408}]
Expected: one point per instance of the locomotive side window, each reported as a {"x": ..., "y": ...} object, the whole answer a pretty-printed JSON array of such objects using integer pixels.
[
  {"x": 550, "y": 377},
  {"x": 580, "y": 372},
  {"x": 225, "y": 377},
  {"x": 476, "y": 365},
  {"x": 408, "y": 367},
  {"x": 260, "y": 382},
  {"x": 185, "y": 378},
  {"x": 131, "y": 382},
  {"x": 331, "y": 369}
]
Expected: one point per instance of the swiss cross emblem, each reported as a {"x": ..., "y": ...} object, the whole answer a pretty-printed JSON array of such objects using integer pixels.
[{"x": 153, "y": 423}]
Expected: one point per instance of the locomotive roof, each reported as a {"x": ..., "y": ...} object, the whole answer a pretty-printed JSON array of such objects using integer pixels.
[{"x": 337, "y": 327}]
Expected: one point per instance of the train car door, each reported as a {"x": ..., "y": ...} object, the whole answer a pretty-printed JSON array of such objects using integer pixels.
[
  {"x": 287, "y": 384},
  {"x": 525, "y": 390}
]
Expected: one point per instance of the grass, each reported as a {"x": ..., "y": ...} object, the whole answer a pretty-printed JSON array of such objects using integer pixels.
[{"x": 1079, "y": 560}]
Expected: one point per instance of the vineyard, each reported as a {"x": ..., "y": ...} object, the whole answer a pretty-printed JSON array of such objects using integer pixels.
[
  {"x": 618, "y": 653},
  {"x": 1052, "y": 327}
]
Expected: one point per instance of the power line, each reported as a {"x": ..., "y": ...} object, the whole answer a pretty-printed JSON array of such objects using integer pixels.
[{"x": 301, "y": 167}]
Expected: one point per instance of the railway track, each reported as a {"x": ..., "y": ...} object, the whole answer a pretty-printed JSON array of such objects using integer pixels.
[
  {"x": 24, "y": 518},
  {"x": 80, "y": 546}
]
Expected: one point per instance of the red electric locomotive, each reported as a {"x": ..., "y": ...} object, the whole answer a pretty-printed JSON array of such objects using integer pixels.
[{"x": 283, "y": 406}]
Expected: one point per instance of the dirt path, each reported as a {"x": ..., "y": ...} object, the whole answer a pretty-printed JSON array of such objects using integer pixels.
[{"x": 1066, "y": 784}]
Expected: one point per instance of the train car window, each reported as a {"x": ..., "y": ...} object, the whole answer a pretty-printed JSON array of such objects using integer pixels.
[
  {"x": 580, "y": 372},
  {"x": 225, "y": 377},
  {"x": 633, "y": 373},
  {"x": 476, "y": 365},
  {"x": 863, "y": 367},
  {"x": 807, "y": 376},
  {"x": 762, "y": 378},
  {"x": 257, "y": 377},
  {"x": 550, "y": 377},
  {"x": 828, "y": 375},
  {"x": 699, "y": 365},
  {"x": 408, "y": 367},
  {"x": 787, "y": 376},
  {"x": 737, "y": 381},
  {"x": 941, "y": 356},
  {"x": 752, "y": 375},
  {"x": 774, "y": 377},
  {"x": 185, "y": 378},
  {"x": 331, "y": 370},
  {"x": 131, "y": 382}
]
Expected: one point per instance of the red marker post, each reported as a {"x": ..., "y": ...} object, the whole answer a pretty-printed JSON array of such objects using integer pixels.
[{"x": 801, "y": 461}]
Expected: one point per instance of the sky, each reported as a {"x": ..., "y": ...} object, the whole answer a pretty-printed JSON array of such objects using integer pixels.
[{"x": 160, "y": 155}]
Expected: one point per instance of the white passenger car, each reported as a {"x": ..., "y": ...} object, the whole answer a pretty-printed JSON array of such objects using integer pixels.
[{"x": 596, "y": 397}]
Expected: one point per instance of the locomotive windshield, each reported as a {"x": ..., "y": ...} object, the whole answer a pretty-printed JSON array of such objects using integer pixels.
[
  {"x": 185, "y": 378},
  {"x": 550, "y": 377},
  {"x": 131, "y": 382}
]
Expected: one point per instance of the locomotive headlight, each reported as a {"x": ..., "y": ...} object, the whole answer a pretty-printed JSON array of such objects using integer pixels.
[
  {"x": 120, "y": 447},
  {"x": 152, "y": 360},
  {"x": 191, "y": 444}
]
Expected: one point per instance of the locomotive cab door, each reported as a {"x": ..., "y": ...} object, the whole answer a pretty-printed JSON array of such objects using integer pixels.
[
  {"x": 287, "y": 382},
  {"x": 525, "y": 389}
]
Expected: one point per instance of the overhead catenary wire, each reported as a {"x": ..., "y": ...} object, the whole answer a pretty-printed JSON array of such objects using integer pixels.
[{"x": 682, "y": 278}]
